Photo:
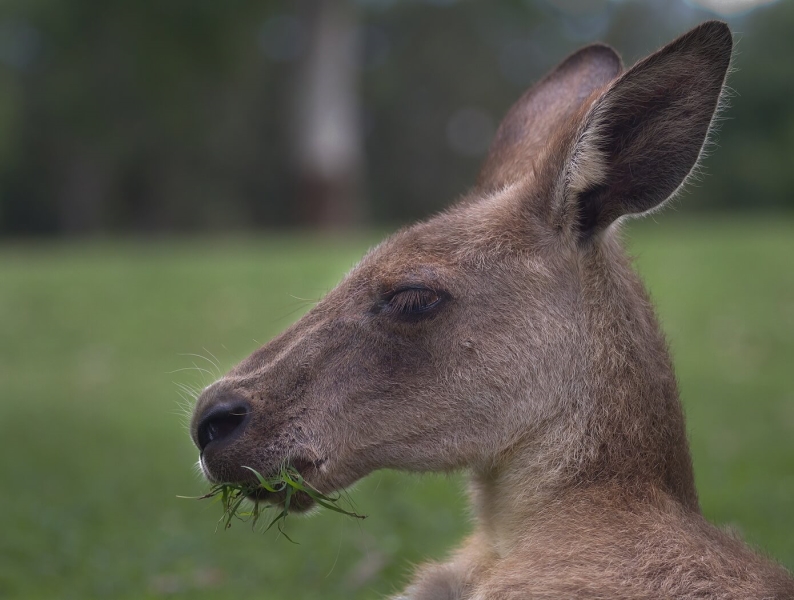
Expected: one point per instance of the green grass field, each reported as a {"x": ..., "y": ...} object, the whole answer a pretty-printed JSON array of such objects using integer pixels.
[{"x": 95, "y": 449}]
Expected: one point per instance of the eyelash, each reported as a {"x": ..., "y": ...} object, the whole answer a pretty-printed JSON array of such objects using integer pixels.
[{"x": 412, "y": 302}]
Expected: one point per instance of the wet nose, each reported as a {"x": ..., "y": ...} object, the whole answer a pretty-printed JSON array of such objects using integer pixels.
[{"x": 223, "y": 421}]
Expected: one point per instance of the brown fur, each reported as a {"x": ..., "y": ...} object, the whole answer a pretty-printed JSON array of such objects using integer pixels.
[{"x": 541, "y": 369}]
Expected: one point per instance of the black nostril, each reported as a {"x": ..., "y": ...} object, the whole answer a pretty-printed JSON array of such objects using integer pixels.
[{"x": 222, "y": 422}]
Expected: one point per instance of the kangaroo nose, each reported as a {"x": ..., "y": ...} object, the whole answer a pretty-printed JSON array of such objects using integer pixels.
[{"x": 222, "y": 422}]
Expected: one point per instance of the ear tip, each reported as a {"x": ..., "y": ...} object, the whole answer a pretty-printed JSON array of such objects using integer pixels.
[
  {"x": 600, "y": 61},
  {"x": 715, "y": 34},
  {"x": 714, "y": 27},
  {"x": 606, "y": 53}
]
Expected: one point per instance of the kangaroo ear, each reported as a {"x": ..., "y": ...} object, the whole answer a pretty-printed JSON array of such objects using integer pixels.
[
  {"x": 643, "y": 136},
  {"x": 542, "y": 110}
]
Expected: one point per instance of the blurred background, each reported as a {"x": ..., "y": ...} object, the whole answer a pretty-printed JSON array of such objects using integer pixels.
[
  {"x": 180, "y": 179},
  {"x": 158, "y": 117}
]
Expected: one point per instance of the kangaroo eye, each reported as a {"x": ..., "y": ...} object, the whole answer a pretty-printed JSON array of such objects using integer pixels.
[{"x": 412, "y": 302}]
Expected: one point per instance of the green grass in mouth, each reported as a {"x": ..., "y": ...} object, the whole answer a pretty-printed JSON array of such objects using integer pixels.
[{"x": 289, "y": 481}]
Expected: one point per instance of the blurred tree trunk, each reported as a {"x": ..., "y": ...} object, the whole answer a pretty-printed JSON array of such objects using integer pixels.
[{"x": 326, "y": 135}]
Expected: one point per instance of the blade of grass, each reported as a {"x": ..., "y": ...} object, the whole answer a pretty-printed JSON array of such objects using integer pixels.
[{"x": 289, "y": 480}]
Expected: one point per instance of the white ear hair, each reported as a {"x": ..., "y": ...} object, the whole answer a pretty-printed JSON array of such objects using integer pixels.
[{"x": 644, "y": 136}]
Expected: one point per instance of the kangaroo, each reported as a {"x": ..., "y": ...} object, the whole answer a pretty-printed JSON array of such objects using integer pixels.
[{"x": 510, "y": 337}]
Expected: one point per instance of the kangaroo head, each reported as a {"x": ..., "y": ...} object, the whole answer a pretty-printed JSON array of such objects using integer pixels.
[{"x": 511, "y": 321}]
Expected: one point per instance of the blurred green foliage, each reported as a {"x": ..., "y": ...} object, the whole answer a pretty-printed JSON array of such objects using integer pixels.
[
  {"x": 95, "y": 448},
  {"x": 162, "y": 116}
]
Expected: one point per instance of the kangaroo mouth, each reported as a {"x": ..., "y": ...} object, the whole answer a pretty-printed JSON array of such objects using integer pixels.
[
  {"x": 290, "y": 484},
  {"x": 288, "y": 494},
  {"x": 299, "y": 502}
]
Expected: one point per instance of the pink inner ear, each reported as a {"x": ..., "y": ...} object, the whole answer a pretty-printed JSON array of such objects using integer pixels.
[{"x": 542, "y": 111}]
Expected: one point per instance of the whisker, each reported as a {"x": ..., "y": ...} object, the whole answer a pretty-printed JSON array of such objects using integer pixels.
[
  {"x": 187, "y": 402},
  {"x": 290, "y": 313},
  {"x": 217, "y": 363},
  {"x": 202, "y": 357},
  {"x": 203, "y": 370},
  {"x": 193, "y": 368},
  {"x": 190, "y": 392}
]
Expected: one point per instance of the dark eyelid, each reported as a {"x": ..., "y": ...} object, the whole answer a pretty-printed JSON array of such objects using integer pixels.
[
  {"x": 407, "y": 288},
  {"x": 386, "y": 304}
]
